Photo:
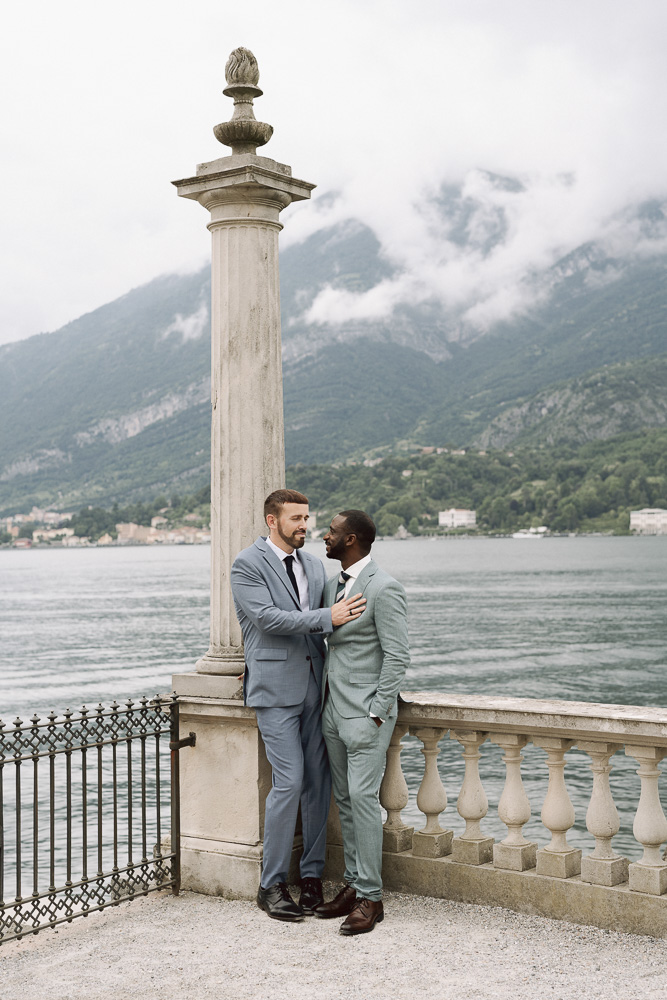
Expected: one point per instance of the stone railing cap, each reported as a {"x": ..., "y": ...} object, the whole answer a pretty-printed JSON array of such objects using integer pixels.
[{"x": 573, "y": 718}]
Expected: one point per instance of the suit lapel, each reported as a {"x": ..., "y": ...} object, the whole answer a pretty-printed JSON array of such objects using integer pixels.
[
  {"x": 277, "y": 566},
  {"x": 330, "y": 591},
  {"x": 364, "y": 578},
  {"x": 358, "y": 587},
  {"x": 310, "y": 576}
]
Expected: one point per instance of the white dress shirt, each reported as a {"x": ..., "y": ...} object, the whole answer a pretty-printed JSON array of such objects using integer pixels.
[
  {"x": 353, "y": 572},
  {"x": 299, "y": 573}
]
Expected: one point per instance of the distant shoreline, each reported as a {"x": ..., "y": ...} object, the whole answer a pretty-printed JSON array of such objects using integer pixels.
[{"x": 380, "y": 538}]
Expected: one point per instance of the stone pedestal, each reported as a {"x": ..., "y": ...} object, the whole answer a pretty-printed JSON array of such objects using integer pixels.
[
  {"x": 224, "y": 783},
  {"x": 225, "y": 779},
  {"x": 432, "y": 845},
  {"x": 645, "y": 878},
  {"x": 397, "y": 841},
  {"x": 604, "y": 871},
  {"x": 472, "y": 852},
  {"x": 515, "y": 858},
  {"x": 559, "y": 864}
]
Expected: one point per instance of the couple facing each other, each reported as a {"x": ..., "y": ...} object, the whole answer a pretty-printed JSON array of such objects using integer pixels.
[{"x": 326, "y": 713}]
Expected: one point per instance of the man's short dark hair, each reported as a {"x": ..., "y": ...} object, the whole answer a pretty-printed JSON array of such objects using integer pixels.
[
  {"x": 358, "y": 523},
  {"x": 274, "y": 502}
]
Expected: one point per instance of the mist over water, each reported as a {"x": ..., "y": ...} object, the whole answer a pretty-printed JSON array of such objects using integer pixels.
[{"x": 582, "y": 619}]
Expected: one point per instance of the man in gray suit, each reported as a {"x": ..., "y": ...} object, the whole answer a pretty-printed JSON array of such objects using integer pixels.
[
  {"x": 365, "y": 664},
  {"x": 278, "y": 597}
]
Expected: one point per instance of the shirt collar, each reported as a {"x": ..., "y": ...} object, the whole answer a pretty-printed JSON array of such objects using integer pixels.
[
  {"x": 280, "y": 552},
  {"x": 355, "y": 569}
]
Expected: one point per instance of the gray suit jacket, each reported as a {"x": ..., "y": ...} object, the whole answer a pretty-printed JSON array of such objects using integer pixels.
[
  {"x": 367, "y": 658},
  {"x": 280, "y": 640}
]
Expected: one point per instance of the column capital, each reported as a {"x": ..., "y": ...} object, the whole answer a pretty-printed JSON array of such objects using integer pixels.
[{"x": 243, "y": 177}]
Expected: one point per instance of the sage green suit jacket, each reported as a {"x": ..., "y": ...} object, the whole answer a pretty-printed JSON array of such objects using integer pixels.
[{"x": 367, "y": 658}]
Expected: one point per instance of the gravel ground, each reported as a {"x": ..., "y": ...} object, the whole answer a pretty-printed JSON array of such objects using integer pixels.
[{"x": 201, "y": 946}]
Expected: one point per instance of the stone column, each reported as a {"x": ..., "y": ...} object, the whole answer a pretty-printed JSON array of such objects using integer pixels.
[{"x": 244, "y": 194}]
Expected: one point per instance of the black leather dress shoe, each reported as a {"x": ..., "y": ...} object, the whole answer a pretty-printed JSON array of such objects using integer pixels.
[
  {"x": 311, "y": 894},
  {"x": 340, "y": 905},
  {"x": 277, "y": 902}
]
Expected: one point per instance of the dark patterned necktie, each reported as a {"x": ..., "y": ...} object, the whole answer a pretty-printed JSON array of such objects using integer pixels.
[
  {"x": 289, "y": 566},
  {"x": 340, "y": 590}
]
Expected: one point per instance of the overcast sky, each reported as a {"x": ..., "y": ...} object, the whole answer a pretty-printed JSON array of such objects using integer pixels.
[{"x": 104, "y": 104}]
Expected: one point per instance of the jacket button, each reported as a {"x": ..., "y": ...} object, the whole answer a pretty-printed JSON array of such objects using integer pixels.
[{"x": 308, "y": 658}]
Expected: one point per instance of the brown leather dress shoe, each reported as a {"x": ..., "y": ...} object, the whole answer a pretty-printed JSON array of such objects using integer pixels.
[
  {"x": 340, "y": 905},
  {"x": 363, "y": 918}
]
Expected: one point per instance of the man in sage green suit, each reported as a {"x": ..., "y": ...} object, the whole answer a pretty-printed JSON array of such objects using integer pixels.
[{"x": 365, "y": 665}]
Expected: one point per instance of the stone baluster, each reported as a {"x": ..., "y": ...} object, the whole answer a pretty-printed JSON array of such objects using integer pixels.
[
  {"x": 650, "y": 826},
  {"x": 473, "y": 847},
  {"x": 558, "y": 859},
  {"x": 514, "y": 853},
  {"x": 603, "y": 866},
  {"x": 397, "y": 836},
  {"x": 431, "y": 841}
]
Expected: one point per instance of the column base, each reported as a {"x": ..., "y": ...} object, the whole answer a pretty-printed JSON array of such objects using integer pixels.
[
  {"x": 196, "y": 685},
  {"x": 645, "y": 878},
  {"x": 432, "y": 845},
  {"x": 227, "y": 661},
  {"x": 397, "y": 841},
  {"x": 563, "y": 864},
  {"x": 472, "y": 852},
  {"x": 604, "y": 871},
  {"x": 519, "y": 858}
]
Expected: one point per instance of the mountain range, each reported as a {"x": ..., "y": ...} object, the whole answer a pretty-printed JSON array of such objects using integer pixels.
[{"x": 115, "y": 405}]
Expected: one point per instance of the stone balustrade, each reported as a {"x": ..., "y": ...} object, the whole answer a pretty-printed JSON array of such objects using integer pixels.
[{"x": 547, "y": 875}]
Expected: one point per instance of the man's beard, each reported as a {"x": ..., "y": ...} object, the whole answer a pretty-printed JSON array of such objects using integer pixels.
[
  {"x": 295, "y": 540},
  {"x": 336, "y": 551}
]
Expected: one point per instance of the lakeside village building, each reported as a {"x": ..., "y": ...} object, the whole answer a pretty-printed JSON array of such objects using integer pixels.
[
  {"x": 128, "y": 534},
  {"x": 457, "y": 518},
  {"x": 649, "y": 521}
]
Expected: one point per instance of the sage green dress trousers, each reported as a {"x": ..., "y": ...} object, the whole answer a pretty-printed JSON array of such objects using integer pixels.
[{"x": 357, "y": 751}]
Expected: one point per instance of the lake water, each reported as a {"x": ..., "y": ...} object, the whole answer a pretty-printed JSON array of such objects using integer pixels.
[{"x": 574, "y": 618}]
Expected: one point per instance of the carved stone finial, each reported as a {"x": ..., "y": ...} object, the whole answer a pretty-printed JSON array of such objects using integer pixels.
[
  {"x": 242, "y": 68},
  {"x": 243, "y": 133}
]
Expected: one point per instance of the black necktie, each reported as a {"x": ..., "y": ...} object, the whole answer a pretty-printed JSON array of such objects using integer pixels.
[
  {"x": 289, "y": 560},
  {"x": 340, "y": 590}
]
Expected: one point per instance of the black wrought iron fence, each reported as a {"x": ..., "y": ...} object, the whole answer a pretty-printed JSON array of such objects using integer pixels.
[{"x": 89, "y": 811}]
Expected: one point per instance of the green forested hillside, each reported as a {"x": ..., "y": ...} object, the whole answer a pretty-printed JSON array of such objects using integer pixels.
[{"x": 591, "y": 488}]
